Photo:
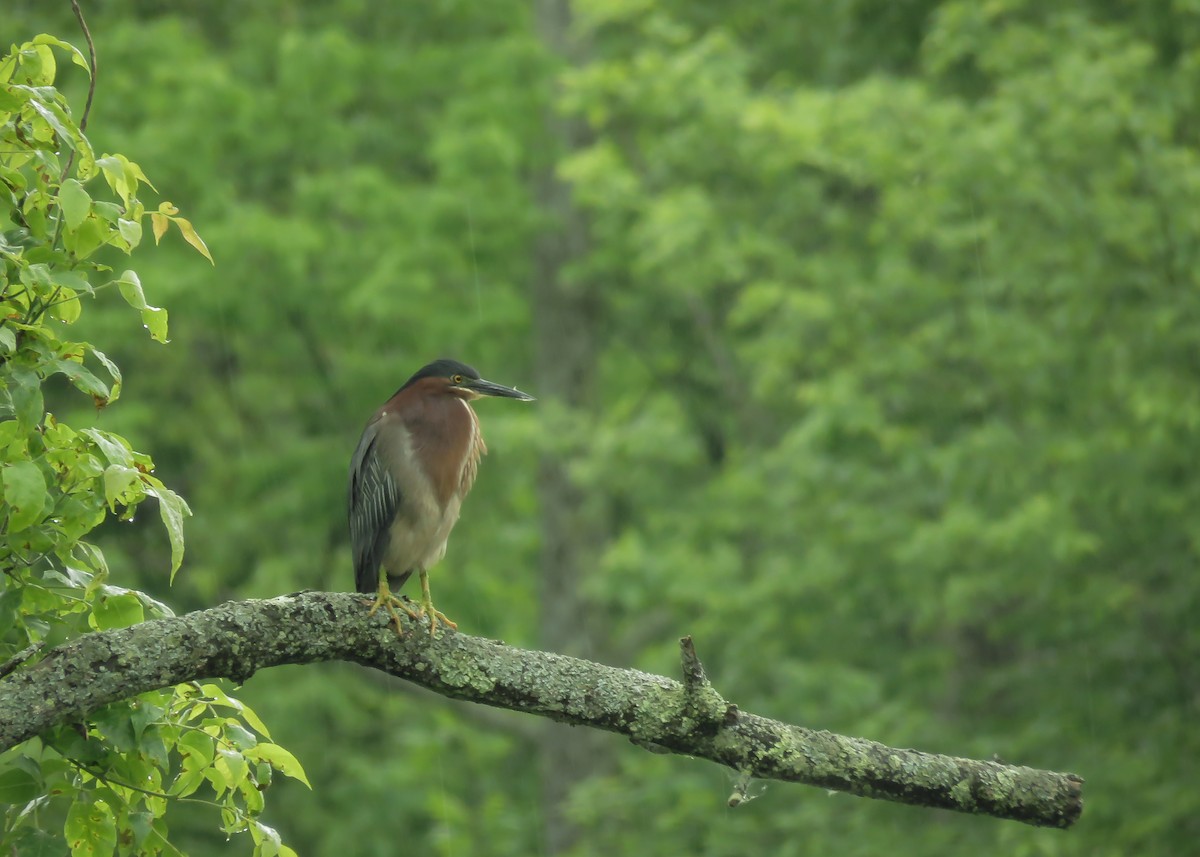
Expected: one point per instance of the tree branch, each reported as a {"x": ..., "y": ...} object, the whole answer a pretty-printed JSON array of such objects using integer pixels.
[{"x": 237, "y": 639}]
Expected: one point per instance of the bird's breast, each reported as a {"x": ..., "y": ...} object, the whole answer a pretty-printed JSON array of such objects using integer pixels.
[{"x": 435, "y": 463}]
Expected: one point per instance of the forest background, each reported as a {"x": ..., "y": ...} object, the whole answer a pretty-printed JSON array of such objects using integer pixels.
[{"x": 866, "y": 338}]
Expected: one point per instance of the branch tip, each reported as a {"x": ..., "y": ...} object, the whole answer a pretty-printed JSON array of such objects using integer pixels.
[
  {"x": 87, "y": 35},
  {"x": 701, "y": 696},
  {"x": 87, "y": 107},
  {"x": 693, "y": 671}
]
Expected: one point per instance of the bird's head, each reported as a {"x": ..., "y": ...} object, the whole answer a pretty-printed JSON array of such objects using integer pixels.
[{"x": 461, "y": 380}]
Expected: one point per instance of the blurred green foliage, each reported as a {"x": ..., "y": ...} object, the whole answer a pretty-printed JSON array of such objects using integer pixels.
[
  {"x": 102, "y": 787},
  {"x": 896, "y": 387}
]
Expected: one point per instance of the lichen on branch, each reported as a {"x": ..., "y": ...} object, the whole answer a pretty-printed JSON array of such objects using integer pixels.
[{"x": 237, "y": 639}]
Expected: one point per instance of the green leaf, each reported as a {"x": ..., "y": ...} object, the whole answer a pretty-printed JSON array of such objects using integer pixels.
[
  {"x": 196, "y": 748},
  {"x": 39, "y": 63},
  {"x": 144, "y": 714},
  {"x": 85, "y": 164},
  {"x": 215, "y": 692},
  {"x": 11, "y": 102},
  {"x": 192, "y": 237},
  {"x": 75, "y": 202},
  {"x": 18, "y": 786},
  {"x": 93, "y": 558},
  {"x": 66, "y": 306},
  {"x": 25, "y": 390},
  {"x": 252, "y": 796},
  {"x": 77, "y": 56},
  {"x": 113, "y": 371},
  {"x": 82, "y": 378},
  {"x": 241, "y": 737},
  {"x": 55, "y": 118},
  {"x": 84, "y": 241},
  {"x": 73, "y": 280},
  {"x": 136, "y": 171},
  {"x": 10, "y": 604},
  {"x": 35, "y": 219},
  {"x": 122, "y": 175},
  {"x": 256, "y": 723},
  {"x": 266, "y": 840},
  {"x": 113, "y": 169},
  {"x": 281, "y": 760},
  {"x": 232, "y": 765},
  {"x": 139, "y": 825},
  {"x": 188, "y": 781},
  {"x": 130, "y": 285},
  {"x": 115, "y": 449},
  {"x": 8, "y": 340},
  {"x": 32, "y": 842},
  {"x": 115, "y": 723},
  {"x": 217, "y": 778},
  {"x": 80, "y": 514},
  {"x": 172, "y": 508},
  {"x": 91, "y": 830},
  {"x": 117, "y": 611},
  {"x": 155, "y": 320},
  {"x": 153, "y": 745},
  {"x": 38, "y": 278},
  {"x": 131, "y": 231},
  {"x": 60, "y": 121},
  {"x": 24, "y": 494},
  {"x": 109, "y": 212},
  {"x": 10, "y": 430},
  {"x": 160, "y": 223},
  {"x": 118, "y": 480}
]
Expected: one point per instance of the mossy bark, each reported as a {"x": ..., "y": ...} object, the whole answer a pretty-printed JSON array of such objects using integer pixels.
[{"x": 690, "y": 718}]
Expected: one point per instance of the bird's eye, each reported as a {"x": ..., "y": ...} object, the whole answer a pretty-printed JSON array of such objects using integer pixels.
[{"x": 456, "y": 379}]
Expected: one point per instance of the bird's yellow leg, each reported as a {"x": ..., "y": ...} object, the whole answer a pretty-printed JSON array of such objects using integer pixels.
[
  {"x": 389, "y": 602},
  {"x": 429, "y": 610}
]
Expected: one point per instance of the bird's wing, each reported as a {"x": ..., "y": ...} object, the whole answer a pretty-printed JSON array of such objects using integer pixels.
[{"x": 374, "y": 497}]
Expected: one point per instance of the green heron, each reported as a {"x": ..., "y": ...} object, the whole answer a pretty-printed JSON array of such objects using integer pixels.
[{"x": 415, "y": 463}]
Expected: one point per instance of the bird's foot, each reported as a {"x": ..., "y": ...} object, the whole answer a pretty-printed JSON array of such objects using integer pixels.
[
  {"x": 390, "y": 602},
  {"x": 427, "y": 608},
  {"x": 435, "y": 616}
]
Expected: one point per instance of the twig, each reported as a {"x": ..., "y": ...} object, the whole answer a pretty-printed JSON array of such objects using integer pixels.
[
  {"x": 83, "y": 120},
  {"x": 87, "y": 35},
  {"x": 20, "y": 658},
  {"x": 87, "y": 105},
  {"x": 702, "y": 698},
  {"x": 693, "y": 670}
]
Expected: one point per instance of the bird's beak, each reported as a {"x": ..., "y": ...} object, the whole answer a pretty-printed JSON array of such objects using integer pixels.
[{"x": 481, "y": 387}]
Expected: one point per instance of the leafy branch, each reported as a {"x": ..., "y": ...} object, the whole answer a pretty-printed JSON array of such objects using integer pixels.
[{"x": 60, "y": 229}]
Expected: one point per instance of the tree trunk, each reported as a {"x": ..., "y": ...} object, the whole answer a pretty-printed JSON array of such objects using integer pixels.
[{"x": 564, "y": 336}]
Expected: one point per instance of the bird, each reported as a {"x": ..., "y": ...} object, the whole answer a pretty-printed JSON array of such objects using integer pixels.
[{"x": 416, "y": 461}]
